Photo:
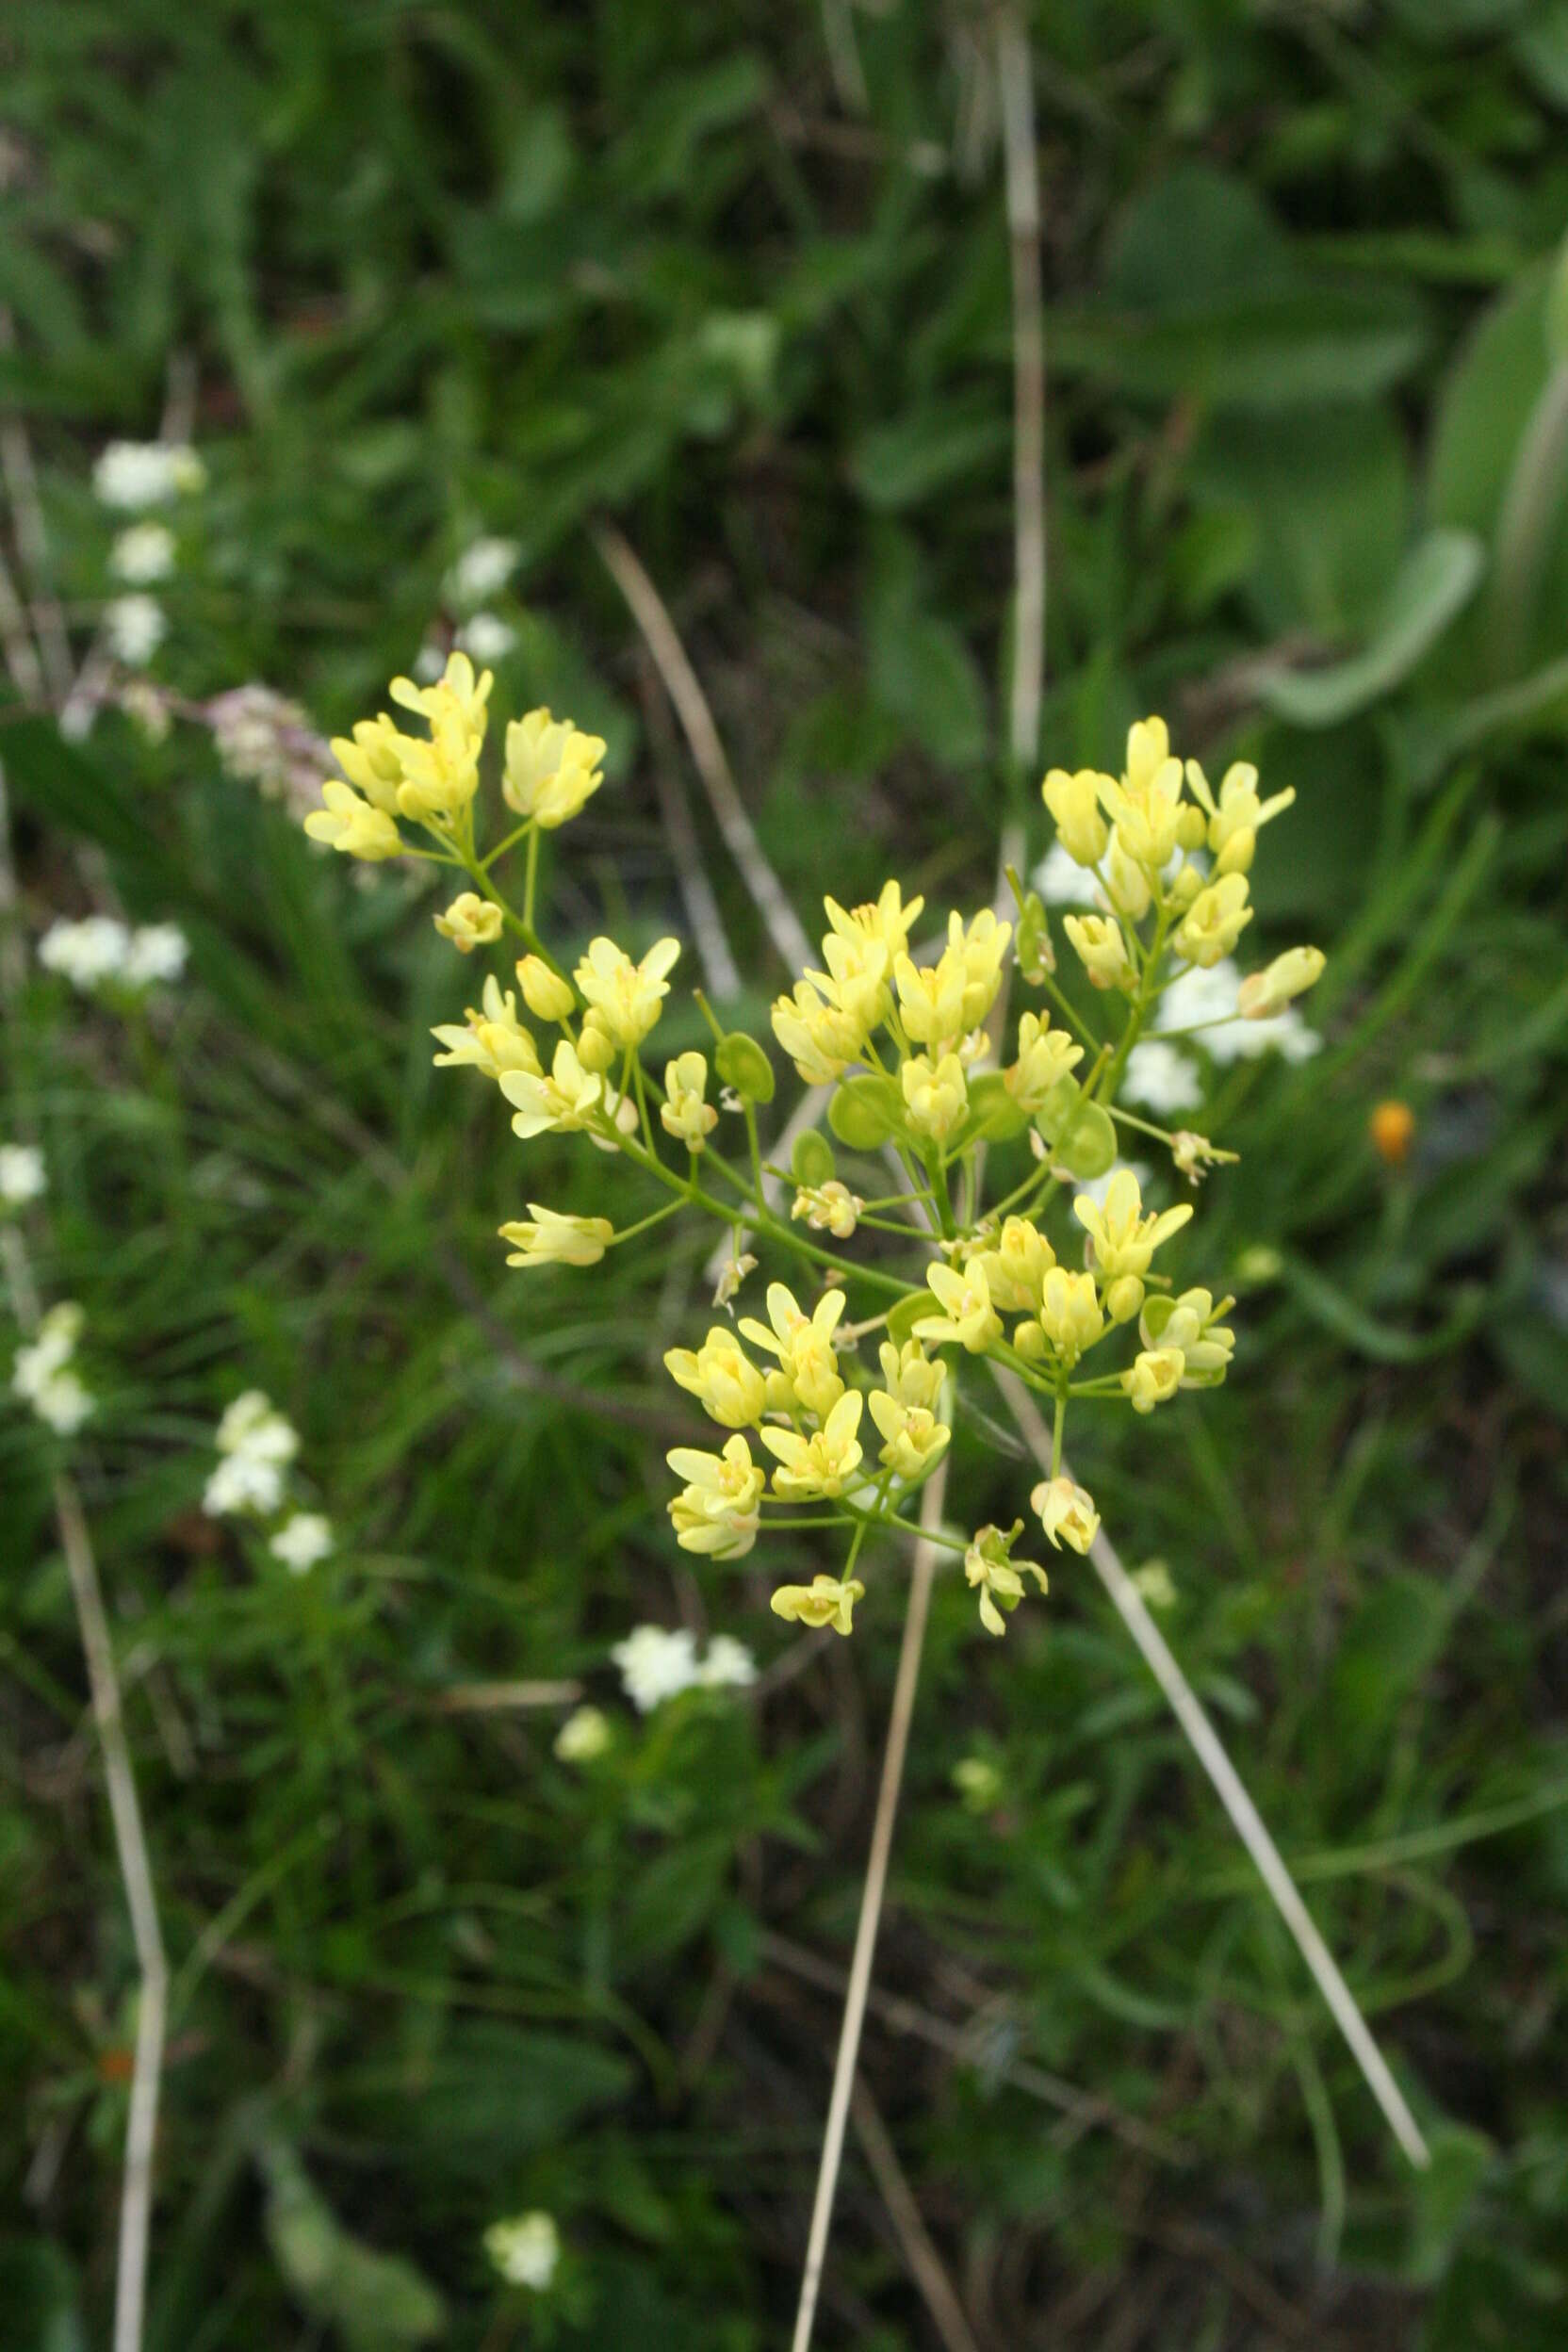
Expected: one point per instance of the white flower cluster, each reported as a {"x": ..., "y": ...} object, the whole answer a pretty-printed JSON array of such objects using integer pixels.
[
  {"x": 143, "y": 554},
  {"x": 133, "y": 475},
  {"x": 21, "y": 1176},
  {"x": 482, "y": 568},
  {"x": 486, "y": 637},
  {"x": 526, "y": 2250},
  {"x": 135, "y": 626},
  {"x": 658, "y": 1662},
  {"x": 42, "y": 1375},
  {"x": 101, "y": 947},
  {"x": 264, "y": 740},
  {"x": 256, "y": 1445}
]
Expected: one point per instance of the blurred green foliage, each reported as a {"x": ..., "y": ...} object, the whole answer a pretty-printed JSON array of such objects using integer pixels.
[{"x": 428, "y": 270}]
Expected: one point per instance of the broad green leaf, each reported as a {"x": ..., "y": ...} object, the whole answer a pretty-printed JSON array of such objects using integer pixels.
[{"x": 1435, "y": 582}]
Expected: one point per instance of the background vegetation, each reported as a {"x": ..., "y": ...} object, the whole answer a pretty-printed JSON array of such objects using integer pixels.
[{"x": 431, "y": 270}]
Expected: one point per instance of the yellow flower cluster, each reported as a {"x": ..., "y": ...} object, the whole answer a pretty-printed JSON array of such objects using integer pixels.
[{"x": 902, "y": 1033}]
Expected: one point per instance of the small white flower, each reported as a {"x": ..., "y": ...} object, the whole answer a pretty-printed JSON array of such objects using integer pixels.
[
  {"x": 526, "y": 2250},
  {"x": 136, "y": 627},
  {"x": 303, "y": 1539},
  {"x": 252, "y": 1424},
  {"x": 728, "y": 1665},
  {"x": 1198, "y": 997},
  {"x": 657, "y": 1663},
  {"x": 584, "y": 1735},
  {"x": 242, "y": 1483},
  {"x": 22, "y": 1175},
  {"x": 1162, "y": 1077},
  {"x": 428, "y": 664},
  {"x": 480, "y": 570},
  {"x": 137, "y": 474},
  {"x": 40, "y": 1373},
  {"x": 143, "y": 554},
  {"x": 157, "y": 952},
  {"x": 1061, "y": 881},
  {"x": 64, "y": 1403},
  {"x": 486, "y": 637},
  {"x": 88, "y": 951}
]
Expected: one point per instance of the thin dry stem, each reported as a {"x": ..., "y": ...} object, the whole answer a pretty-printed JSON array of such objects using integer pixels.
[
  {"x": 32, "y": 540},
  {"x": 1245, "y": 1818},
  {"x": 922, "y": 1571},
  {"x": 941, "y": 2296},
  {"x": 675, "y": 809},
  {"x": 1016, "y": 79},
  {"x": 707, "y": 754}
]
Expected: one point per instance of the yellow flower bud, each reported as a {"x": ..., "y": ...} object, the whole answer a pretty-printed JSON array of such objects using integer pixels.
[
  {"x": 1074, "y": 803},
  {"x": 1123, "y": 1298},
  {"x": 1101, "y": 949},
  {"x": 352, "y": 825},
  {"x": 684, "y": 1112},
  {"x": 1263, "y": 993},
  {"x": 596, "y": 1049},
  {"x": 558, "y": 1240},
  {"x": 548, "y": 996}
]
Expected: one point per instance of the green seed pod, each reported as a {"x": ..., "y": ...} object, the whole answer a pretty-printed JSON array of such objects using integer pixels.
[
  {"x": 864, "y": 1111},
  {"x": 1087, "y": 1148},
  {"x": 1036, "y": 958},
  {"x": 1056, "y": 1113},
  {"x": 811, "y": 1162},
  {"x": 742, "y": 1063},
  {"x": 993, "y": 1112}
]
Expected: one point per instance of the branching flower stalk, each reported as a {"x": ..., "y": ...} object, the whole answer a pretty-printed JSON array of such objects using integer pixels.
[{"x": 1052, "y": 1281}]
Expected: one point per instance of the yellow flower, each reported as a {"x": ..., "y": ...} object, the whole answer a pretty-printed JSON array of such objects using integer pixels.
[
  {"x": 350, "y": 825},
  {"x": 1126, "y": 880},
  {"x": 684, "y": 1113},
  {"x": 551, "y": 770},
  {"x": 888, "y": 920},
  {"x": 1124, "y": 1239},
  {"x": 1235, "y": 818},
  {"x": 1215, "y": 920},
  {"x": 820, "y": 1038},
  {"x": 829, "y": 1208},
  {"x": 820, "y": 1464},
  {"x": 719, "y": 1508},
  {"x": 457, "y": 699},
  {"x": 470, "y": 922},
  {"x": 557, "y": 1240},
  {"x": 807, "y": 1377},
  {"x": 723, "y": 1379},
  {"x": 1074, "y": 803},
  {"x": 1191, "y": 1324},
  {"x": 1070, "y": 1314},
  {"x": 981, "y": 950},
  {"x": 856, "y": 977},
  {"x": 1045, "y": 1057},
  {"x": 937, "y": 1097},
  {"x": 1101, "y": 948},
  {"x": 825, "y": 1601},
  {"x": 372, "y": 760},
  {"x": 904, "y": 1409},
  {"x": 998, "y": 1577},
  {"x": 1147, "y": 804},
  {"x": 931, "y": 998},
  {"x": 1263, "y": 993},
  {"x": 1067, "y": 1513},
  {"x": 1155, "y": 1378},
  {"x": 441, "y": 777},
  {"x": 566, "y": 1100},
  {"x": 627, "y": 996},
  {"x": 969, "y": 1316},
  {"x": 1016, "y": 1264},
  {"x": 494, "y": 1039},
  {"x": 548, "y": 996}
]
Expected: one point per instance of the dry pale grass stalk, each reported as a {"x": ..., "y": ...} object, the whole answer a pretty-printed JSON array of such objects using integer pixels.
[
  {"x": 941, "y": 2296},
  {"x": 130, "y": 1839},
  {"x": 922, "y": 1571},
  {"x": 681, "y": 681},
  {"x": 1015, "y": 77},
  {"x": 1245, "y": 1818}
]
